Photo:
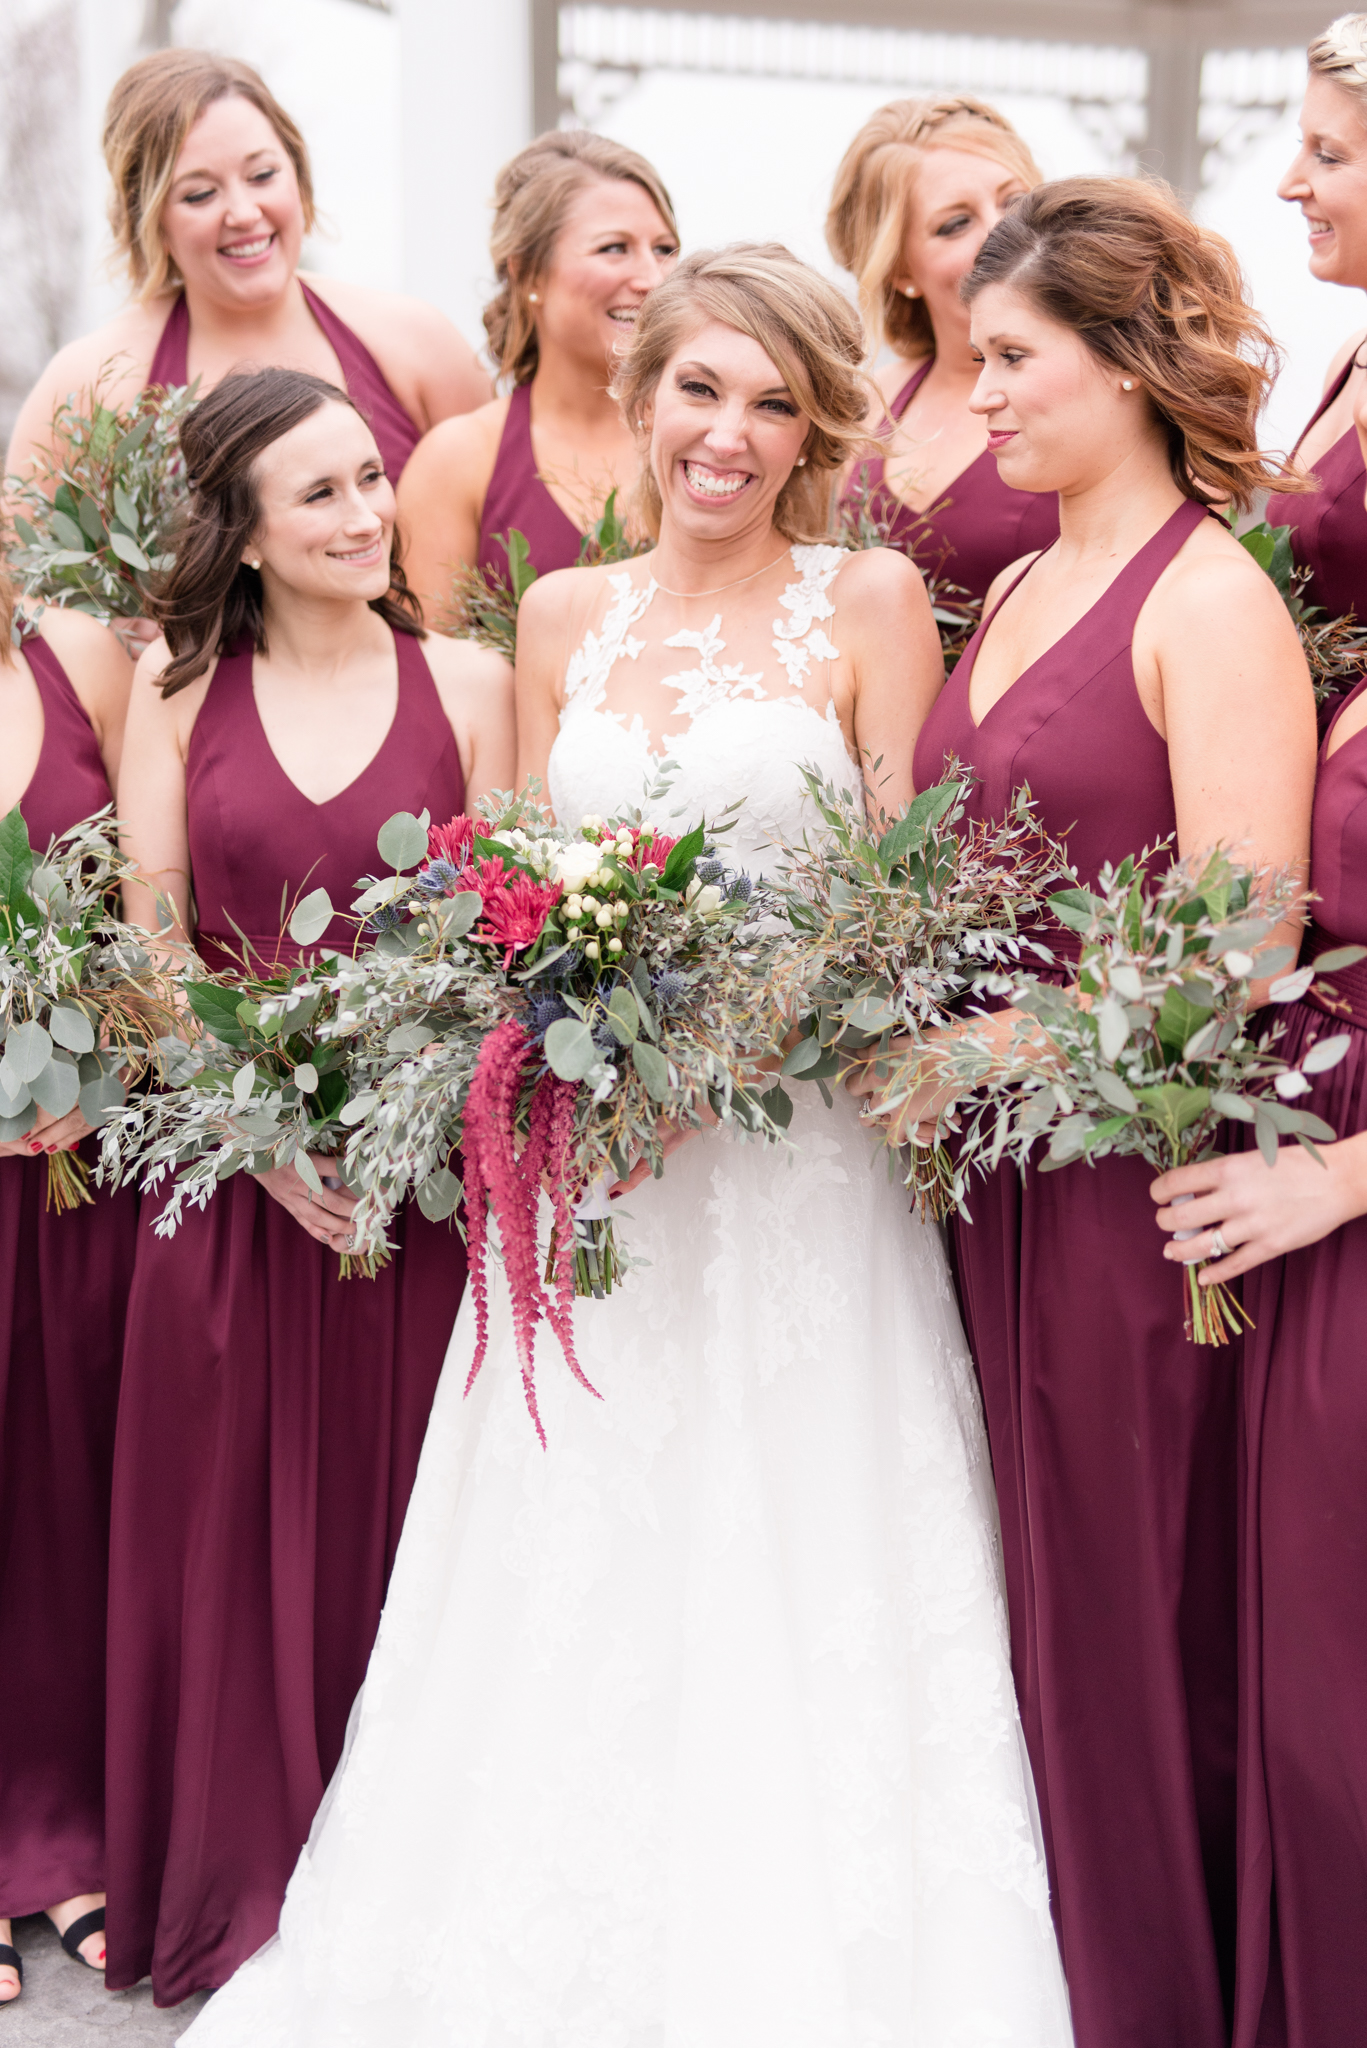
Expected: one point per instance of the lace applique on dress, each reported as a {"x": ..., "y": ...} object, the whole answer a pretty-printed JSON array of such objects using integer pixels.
[
  {"x": 586, "y": 678},
  {"x": 800, "y": 640}
]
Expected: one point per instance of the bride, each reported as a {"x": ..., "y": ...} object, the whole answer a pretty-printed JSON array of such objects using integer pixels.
[{"x": 696, "y": 1729}]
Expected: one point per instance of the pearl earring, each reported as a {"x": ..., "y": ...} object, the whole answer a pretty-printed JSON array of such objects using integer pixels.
[
  {"x": 255, "y": 562},
  {"x": 801, "y": 461},
  {"x": 1127, "y": 384},
  {"x": 533, "y": 299},
  {"x": 912, "y": 291}
]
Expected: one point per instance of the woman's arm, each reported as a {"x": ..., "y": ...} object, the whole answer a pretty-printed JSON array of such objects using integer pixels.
[
  {"x": 441, "y": 497},
  {"x": 152, "y": 797},
  {"x": 476, "y": 690},
  {"x": 100, "y": 673},
  {"x": 895, "y": 668},
  {"x": 115, "y": 358},
  {"x": 545, "y": 629}
]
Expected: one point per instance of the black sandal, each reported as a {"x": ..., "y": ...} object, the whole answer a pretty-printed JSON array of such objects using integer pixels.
[
  {"x": 79, "y": 1931},
  {"x": 11, "y": 1958}
]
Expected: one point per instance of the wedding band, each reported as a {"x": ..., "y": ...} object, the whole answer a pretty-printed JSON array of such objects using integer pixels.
[
  {"x": 1218, "y": 1248},
  {"x": 351, "y": 1242}
]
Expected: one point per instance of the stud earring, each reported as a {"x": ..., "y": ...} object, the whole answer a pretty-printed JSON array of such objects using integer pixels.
[
  {"x": 912, "y": 291},
  {"x": 255, "y": 562},
  {"x": 533, "y": 298},
  {"x": 801, "y": 462},
  {"x": 1127, "y": 384}
]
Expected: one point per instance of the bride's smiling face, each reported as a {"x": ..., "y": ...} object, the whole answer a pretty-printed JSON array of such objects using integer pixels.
[{"x": 725, "y": 433}]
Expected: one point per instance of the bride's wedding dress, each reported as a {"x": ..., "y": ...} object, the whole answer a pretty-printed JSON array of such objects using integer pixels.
[{"x": 695, "y": 1729}]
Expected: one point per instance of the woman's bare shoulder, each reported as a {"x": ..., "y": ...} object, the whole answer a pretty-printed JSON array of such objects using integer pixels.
[
  {"x": 466, "y": 444},
  {"x": 113, "y": 359}
]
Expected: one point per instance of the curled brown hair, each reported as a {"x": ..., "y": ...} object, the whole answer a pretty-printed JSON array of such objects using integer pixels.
[
  {"x": 866, "y": 228},
  {"x": 806, "y": 326},
  {"x": 1155, "y": 295},
  {"x": 209, "y": 597},
  {"x": 531, "y": 199},
  {"x": 151, "y": 110},
  {"x": 7, "y": 642}
]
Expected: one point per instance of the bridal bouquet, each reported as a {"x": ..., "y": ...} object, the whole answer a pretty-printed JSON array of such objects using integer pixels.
[
  {"x": 895, "y": 928},
  {"x": 92, "y": 523},
  {"x": 1155, "y": 1046},
  {"x": 84, "y": 1012},
  {"x": 544, "y": 1000},
  {"x": 483, "y": 608}
]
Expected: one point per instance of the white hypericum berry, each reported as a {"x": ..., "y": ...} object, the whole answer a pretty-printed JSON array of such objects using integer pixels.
[
  {"x": 592, "y": 949},
  {"x": 614, "y": 945},
  {"x": 603, "y": 918}
]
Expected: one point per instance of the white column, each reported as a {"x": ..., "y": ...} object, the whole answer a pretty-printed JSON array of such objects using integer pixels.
[
  {"x": 109, "y": 32},
  {"x": 466, "y": 92}
]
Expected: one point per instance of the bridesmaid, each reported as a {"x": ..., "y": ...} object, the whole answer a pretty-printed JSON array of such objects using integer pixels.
[
  {"x": 583, "y": 228},
  {"x": 272, "y": 1412},
  {"x": 1303, "y": 1227},
  {"x": 1328, "y": 181},
  {"x": 917, "y": 193},
  {"x": 1142, "y": 676},
  {"x": 212, "y": 198},
  {"x": 63, "y": 695}
]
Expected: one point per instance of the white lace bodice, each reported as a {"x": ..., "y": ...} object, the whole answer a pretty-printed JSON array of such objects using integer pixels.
[{"x": 745, "y": 729}]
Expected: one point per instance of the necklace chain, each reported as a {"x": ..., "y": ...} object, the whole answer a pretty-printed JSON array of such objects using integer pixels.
[{"x": 721, "y": 586}]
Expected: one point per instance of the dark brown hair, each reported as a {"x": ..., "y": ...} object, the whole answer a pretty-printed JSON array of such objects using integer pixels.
[
  {"x": 209, "y": 597},
  {"x": 1155, "y": 295},
  {"x": 531, "y": 199},
  {"x": 151, "y": 110}
]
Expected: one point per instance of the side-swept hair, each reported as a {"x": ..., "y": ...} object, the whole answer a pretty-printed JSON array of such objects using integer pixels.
[
  {"x": 531, "y": 199},
  {"x": 151, "y": 110},
  {"x": 807, "y": 327},
  {"x": 209, "y": 597},
  {"x": 1159, "y": 297}
]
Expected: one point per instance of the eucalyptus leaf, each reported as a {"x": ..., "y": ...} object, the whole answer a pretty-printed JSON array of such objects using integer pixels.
[
  {"x": 15, "y": 1126},
  {"x": 16, "y": 856},
  {"x": 652, "y": 1066},
  {"x": 1326, "y": 1053},
  {"x": 570, "y": 1050},
  {"x": 13, "y": 1099},
  {"x": 623, "y": 1017},
  {"x": 71, "y": 1028},
  {"x": 28, "y": 1049},
  {"x": 402, "y": 839},
  {"x": 91, "y": 520},
  {"x": 127, "y": 550},
  {"x": 311, "y": 917},
  {"x": 244, "y": 1080},
  {"x": 387, "y": 890},
  {"x": 409, "y": 1038},
  {"x": 305, "y": 1078},
  {"x": 439, "y": 1195},
  {"x": 56, "y": 1087}
]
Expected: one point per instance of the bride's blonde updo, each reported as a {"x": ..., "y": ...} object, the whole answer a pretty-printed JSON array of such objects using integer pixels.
[
  {"x": 1339, "y": 54},
  {"x": 804, "y": 324}
]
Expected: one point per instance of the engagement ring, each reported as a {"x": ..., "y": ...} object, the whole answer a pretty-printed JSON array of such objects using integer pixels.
[{"x": 1218, "y": 1248}]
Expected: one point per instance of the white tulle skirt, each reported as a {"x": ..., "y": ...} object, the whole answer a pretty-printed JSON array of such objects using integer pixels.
[{"x": 695, "y": 1729}]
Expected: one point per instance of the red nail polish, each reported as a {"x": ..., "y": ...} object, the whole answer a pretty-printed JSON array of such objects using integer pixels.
[{"x": 35, "y": 1145}]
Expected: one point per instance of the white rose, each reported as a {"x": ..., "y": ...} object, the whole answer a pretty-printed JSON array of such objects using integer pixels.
[
  {"x": 573, "y": 864},
  {"x": 707, "y": 902}
]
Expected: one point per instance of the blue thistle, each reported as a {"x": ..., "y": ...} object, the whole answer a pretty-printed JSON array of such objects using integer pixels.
[
  {"x": 738, "y": 889},
  {"x": 439, "y": 878},
  {"x": 667, "y": 987},
  {"x": 708, "y": 871},
  {"x": 387, "y": 918},
  {"x": 543, "y": 1011}
]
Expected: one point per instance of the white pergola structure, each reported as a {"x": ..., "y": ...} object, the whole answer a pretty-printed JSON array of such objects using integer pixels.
[{"x": 1177, "y": 87}]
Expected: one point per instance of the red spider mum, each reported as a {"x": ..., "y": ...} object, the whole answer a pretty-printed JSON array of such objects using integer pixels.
[
  {"x": 650, "y": 852},
  {"x": 451, "y": 841},
  {"x": 515, "y": 914}
]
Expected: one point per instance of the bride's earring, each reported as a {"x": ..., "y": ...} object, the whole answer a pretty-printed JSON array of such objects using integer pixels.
[
  {"x": 801, "y": 462},
  {"x": 533, "y": 298},
  {"x": 912, "y": 291}
]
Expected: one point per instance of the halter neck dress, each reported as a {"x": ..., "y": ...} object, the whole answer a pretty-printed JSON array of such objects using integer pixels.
[
  {"x": 271, "y": 1418},
  {"x": 977, "y": 528},
  {"x": 517, "y": 497},
  {"x": 63, "y": 1294},
  {"x": 1329, "y": 524},
  {"x": 1113, "y": 1438},
  {"x": 1303, "y": 1817},
  {"x": 396, "y": 433}
]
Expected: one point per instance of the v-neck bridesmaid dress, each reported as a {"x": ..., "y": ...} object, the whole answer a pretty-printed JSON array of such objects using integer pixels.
[
  {"x": 271, "y": 1418},
  {"x": 518, "y": 498},
  {"x": 1113, "y": 1438}
]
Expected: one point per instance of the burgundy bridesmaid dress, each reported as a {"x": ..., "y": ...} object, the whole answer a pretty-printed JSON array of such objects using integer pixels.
[
  {"x": 396, "y": 433},
  {"x": 1329, "y": 524},
  {"x": 980, "y": 529},
  {"x": 517, "y": 497},
  {"x": 270, "y": 1423},
  {"x": 1113, "y": 1438},
  {"x": 1303, "y": 1804},
  {"x": 63, "y": 1295}
]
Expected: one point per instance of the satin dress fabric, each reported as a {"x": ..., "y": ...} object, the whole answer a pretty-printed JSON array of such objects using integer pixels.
[
  {"x": 1303, "y": 1794},
  {"x": 63, "y": 1295},
  {"x": 1113, "y": 1438},
  {"x": 517, "y": 498},
  {"x": 1329, "y": 524},
  {"x": 396, "y": 432},
  {"x": 271, "y": 1419},
  {"x": 977, "y": 528}
]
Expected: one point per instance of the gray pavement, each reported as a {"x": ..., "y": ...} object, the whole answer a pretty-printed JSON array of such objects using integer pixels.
[{"x": 65, "y": 2004}]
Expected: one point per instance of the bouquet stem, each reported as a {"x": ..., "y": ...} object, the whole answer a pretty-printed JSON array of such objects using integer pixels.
[
  {"x": 596, "y": 1267},
  {"x": 68, "y": 1182},
  {"x": 361, "y": 1265},
  {"x": 1214, "y": 1315},
  {"x": 931, "y": 1181}
]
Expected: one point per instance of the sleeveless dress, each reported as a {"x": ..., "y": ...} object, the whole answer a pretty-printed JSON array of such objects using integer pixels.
[
  {"x": 270, "y": 1423},
  {"x": 396, "y": 433},
  {"x": 1113, "y": 1438},
  {"x": 1329, "y": 525},
  {"x": 981, "y": 528},
  {"x": 1303, "y": 1818},
  {"x": 695, "y": 1729},
  {"x": 517, "y": 497},
  {"x": 63, "y": 1293}
]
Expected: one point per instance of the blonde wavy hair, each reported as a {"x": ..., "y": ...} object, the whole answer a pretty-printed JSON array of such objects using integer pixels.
[
  {"x": 1339, "y": 54},
  {"x": 866, "y": 228},
  {"x": 531, "y": 198},
  {"x": 807, "y": 327},
  {"x": 1153, "y": 294},
  {"x": 151, "y": 110}
]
